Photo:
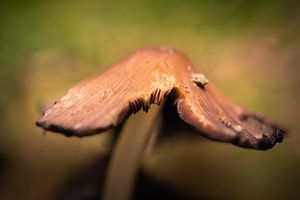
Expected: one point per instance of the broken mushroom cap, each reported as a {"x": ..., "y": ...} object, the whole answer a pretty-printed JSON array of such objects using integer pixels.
[{"x": 146, "y": 77}]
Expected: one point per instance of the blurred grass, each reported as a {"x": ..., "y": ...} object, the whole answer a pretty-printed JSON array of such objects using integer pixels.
[{"x": 250, "y": 49}]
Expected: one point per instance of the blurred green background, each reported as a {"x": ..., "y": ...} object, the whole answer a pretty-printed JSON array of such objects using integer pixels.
[{"x": 249, "y": 49}]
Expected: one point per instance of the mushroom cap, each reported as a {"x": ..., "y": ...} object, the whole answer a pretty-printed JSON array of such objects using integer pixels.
[{"x": 146, "y": 77}]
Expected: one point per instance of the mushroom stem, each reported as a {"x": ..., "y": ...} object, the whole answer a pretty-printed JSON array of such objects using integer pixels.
[{"x": 127, "y": 155}]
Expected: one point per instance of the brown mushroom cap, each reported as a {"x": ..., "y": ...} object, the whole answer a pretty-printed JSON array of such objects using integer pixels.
[{"x": 146, "y": 77}]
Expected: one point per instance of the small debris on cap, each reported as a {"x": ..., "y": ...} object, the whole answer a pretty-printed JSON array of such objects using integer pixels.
[{"x": 200, "y": 79}]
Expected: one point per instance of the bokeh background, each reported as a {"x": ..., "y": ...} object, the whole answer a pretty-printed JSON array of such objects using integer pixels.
[{"x": 249, "y": 49}]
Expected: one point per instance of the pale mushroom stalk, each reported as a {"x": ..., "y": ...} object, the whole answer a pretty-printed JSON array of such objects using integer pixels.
[{"x": 128, "y": 153}]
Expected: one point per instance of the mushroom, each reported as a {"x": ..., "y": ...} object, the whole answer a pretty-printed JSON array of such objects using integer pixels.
[{"x": 147, "y": 77}]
